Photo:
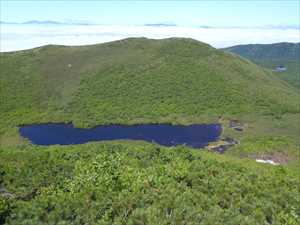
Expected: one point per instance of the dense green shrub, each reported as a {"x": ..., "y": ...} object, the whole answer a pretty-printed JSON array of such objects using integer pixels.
[
  {"x": 4, "y": 209},
  {"x": 127, "y": 183}
]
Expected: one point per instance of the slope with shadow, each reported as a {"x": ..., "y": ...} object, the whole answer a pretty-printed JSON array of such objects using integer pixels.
[{"x": 273, "y": 55}]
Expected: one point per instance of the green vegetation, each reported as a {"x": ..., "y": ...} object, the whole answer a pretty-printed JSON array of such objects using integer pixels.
[
  {"x": 272, "y": 55},
  {"x": 137, "y": 80},
  {"x": 137, "y": 183}
]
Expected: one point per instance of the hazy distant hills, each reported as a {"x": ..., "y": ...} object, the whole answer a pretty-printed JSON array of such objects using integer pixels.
[
  {"x": 160, "y": 25},
  {"x": 45, "y": 22},
  {"x": 155, "y": 24},
  {"x": 272, "y": 55},
  {"x": 42, "y": 22},
  {"x": 32, "y": 22}
]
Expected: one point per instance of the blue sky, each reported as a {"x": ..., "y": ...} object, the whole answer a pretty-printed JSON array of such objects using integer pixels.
[{"x": 187, "y": 13}]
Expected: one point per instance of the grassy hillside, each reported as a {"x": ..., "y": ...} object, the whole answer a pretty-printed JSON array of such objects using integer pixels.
[
  {"x": 272, "y": 55},
  {"x": 138, "y": 80}
]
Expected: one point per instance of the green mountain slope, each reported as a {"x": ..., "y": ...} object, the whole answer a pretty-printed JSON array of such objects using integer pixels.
[
  {"x": 139, "y": 80},
  {"x": 272, "y": 55}
]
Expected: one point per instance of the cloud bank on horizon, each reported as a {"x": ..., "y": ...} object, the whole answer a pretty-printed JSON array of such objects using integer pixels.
[{"x": 15, "y": 37}]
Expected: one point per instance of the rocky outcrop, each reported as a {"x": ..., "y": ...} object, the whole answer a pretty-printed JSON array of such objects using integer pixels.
[
  {"x": 222, "y": 145},
  {"x": 4, "y": 193},
  {"x": 274, "y": 158},
  {"x": 237, "y": 125}
]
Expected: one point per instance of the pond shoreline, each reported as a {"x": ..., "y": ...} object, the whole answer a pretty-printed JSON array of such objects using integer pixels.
[{"x": 195, "y": 135}]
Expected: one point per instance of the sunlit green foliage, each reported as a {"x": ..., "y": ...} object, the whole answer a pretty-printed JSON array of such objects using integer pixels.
[
  {"x": 267, "y": 144},
  {"x": 127, "y": 183},
  {"x": 4, "y": 209}
]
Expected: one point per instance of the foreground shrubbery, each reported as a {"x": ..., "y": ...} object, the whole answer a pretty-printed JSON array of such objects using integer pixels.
[{"x": 130, "y": 183}]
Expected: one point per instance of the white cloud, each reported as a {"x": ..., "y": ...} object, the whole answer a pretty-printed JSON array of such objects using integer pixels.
[{"x": 19, "y": 37}]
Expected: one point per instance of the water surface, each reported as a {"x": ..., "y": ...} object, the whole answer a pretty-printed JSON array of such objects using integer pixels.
[{"x": 197, "y": 136}]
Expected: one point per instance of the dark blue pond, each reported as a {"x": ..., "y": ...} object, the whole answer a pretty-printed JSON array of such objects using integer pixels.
[{"x": 196, "y": 136}]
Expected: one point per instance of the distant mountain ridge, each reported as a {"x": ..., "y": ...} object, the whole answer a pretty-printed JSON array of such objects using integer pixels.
[
  {"x": 283, "y": 50},
  {"x": 273, "y": 55},
  {"x": 46, "y": 22},
  {"x": 160, "y": 24},
  {"x": 42, "y": 22}
]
